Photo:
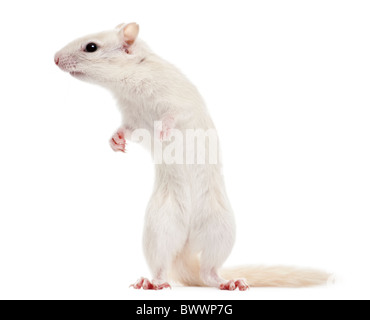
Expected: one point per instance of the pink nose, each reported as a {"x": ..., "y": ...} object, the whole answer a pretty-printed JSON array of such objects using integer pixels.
[{"x": 56, "y": 60}]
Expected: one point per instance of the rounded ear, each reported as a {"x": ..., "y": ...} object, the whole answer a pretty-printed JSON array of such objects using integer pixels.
[{"x": 129, "y": 32}]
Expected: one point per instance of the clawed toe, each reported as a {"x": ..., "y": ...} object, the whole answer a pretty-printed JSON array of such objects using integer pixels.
[
  {"x": 145, "y": 284},
  {"x": 232, "y": 285},
  {"x": 118, "y": 142}
]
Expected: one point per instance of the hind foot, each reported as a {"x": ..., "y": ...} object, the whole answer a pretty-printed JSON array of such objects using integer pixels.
[
  {"x": 145, "y": 284},
  {"x": 232, "y": 285}
]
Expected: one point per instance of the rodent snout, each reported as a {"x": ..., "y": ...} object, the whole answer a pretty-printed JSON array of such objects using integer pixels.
[{"x": 65, "y": 62}]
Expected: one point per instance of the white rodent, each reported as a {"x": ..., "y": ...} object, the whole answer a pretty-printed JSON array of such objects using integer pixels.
[{"x": 189, "y": 227}]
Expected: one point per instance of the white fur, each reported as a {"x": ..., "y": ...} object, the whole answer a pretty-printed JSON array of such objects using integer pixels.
[{"x": 189, "y": 227}]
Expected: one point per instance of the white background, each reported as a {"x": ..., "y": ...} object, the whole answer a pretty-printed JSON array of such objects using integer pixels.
[{"x": 287, "y": 83}]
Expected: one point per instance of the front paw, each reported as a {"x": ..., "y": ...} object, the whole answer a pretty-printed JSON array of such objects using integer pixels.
[
  {"x": 165, "y": 128},
  {"x": 118, "y": 141}
]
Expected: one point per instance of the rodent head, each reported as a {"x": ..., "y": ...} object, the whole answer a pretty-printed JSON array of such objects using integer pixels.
[{"x": 100, "y": 57}]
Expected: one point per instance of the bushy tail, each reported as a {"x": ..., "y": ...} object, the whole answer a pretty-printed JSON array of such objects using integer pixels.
[
  {"x": 279, "y": 276},
  {"x": 186, "y": 270}
]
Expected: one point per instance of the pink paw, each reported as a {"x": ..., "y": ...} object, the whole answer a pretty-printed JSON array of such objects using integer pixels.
[
  {"x": 145, "y": 284},
  {"x": 118, "y": 141},
  {"x": 164, "y": 135},
  {"x": 165, "y": 128},
  {"x": 232, "y": 285}
]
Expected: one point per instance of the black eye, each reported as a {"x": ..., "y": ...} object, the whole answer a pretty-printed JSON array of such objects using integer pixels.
[{"x": 91, "y": 47}]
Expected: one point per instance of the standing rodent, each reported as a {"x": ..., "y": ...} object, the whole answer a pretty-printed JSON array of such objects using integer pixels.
[{"x": 189, "y": 226}]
